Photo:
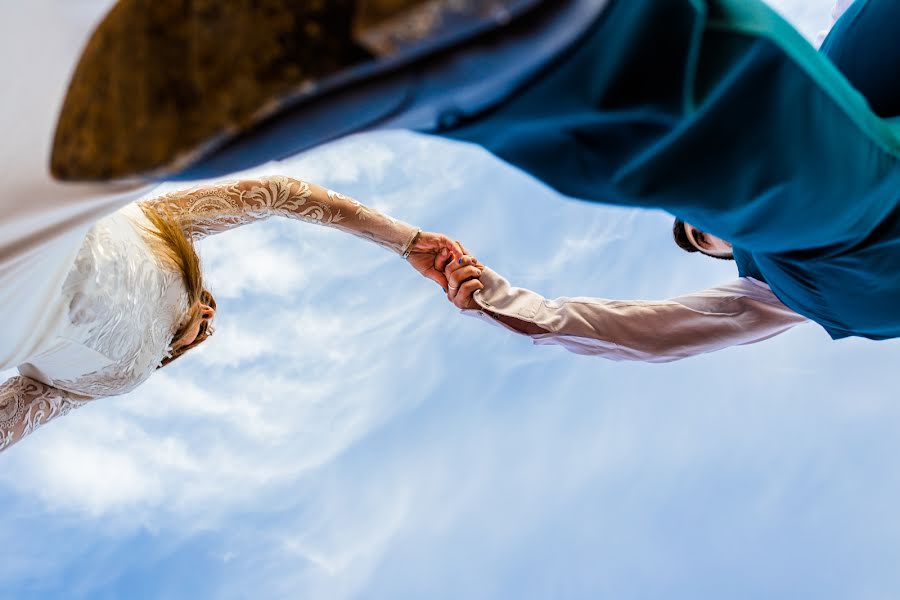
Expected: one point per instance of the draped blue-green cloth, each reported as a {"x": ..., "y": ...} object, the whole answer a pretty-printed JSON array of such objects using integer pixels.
[
  {"x": 864, "y": 46},
  {"x": 719, "y": 112}
]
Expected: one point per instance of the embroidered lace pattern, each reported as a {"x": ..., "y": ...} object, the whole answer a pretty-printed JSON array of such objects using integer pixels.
[
  {"x": 213, "y": 209},
  {"x": 25, "y": 404},
  {"x": 124, "y": 303}
]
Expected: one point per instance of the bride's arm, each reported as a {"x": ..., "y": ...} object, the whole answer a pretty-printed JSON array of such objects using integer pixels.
[
  {"x": 213, "y": 209},
  {"x": 26, "y": 404}
]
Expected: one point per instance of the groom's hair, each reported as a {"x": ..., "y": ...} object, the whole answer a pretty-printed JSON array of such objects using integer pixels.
[{"x": 679, "y": 234}]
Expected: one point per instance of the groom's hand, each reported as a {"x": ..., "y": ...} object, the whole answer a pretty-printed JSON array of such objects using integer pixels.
[{"x": 462, "y": 281}]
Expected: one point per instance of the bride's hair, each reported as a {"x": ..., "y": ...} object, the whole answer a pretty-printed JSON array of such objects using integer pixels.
[{"x": 168, "y": 240}]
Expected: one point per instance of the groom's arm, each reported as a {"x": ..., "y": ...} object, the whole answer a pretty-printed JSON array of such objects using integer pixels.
[{"x": 739, "y": 313}]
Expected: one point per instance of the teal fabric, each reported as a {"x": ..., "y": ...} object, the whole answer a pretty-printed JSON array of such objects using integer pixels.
[{"x": 722, "y": 114}]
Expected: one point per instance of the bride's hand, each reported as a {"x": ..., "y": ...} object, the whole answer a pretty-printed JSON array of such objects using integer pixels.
[{"x": 430, "y": 253}]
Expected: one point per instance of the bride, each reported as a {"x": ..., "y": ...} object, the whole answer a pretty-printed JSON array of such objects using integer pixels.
[{"x": 134, "y": 300}]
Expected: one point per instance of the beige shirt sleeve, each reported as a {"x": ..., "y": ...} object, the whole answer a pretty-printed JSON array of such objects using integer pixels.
[{"x": 741, "y": 312}]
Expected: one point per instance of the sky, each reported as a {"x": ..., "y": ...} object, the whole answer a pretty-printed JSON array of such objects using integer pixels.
[{"x": 346, "y": 434}]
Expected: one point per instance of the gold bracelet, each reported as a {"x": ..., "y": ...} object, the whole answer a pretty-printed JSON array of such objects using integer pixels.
[{"x": 409, "y": 246}]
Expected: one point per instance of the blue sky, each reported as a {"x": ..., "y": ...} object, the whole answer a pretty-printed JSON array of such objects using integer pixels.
[{"x": 347, "y": 434}]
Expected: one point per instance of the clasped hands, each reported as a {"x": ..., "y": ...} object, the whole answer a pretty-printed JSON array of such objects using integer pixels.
[{"x": 448, "y": 264}]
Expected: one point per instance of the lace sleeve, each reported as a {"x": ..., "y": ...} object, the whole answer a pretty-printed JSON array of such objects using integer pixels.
[
  {"x": 26, "y": 404},
  {"x": 212, "y": 209}
]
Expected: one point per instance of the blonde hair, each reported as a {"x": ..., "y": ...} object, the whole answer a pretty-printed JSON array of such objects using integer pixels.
[{"x": 168, "y": 240}]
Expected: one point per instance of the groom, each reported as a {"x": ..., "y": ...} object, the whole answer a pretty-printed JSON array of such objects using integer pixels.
[{"x": 742, "y": 312}]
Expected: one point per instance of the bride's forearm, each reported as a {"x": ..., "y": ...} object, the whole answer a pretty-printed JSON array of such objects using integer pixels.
[{"x": 316, "y": 204}]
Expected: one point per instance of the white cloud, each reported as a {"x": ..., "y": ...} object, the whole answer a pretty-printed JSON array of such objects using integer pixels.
[{"x": 246, "y": 261}]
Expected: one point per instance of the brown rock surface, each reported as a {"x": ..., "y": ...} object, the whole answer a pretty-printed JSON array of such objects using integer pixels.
[{"x": 162, "y": 79}]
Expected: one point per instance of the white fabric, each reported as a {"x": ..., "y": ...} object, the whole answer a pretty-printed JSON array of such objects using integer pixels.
[
  {"x": 42, "y": 222},
  {"x": 120, "y": 308},
  {"x": 39, "y": 240},
  {"x": 744, "y": 311}
]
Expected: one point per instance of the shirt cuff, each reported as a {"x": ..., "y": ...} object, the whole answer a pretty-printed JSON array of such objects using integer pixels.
[{"x": 499, "y": 298}]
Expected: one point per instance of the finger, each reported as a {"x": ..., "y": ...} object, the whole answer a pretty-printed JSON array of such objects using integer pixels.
[
  {"x": 464, "y": 296},
  {"x": 459, "y": 276},
  {"x": 430, "y": 242},
  {"x": 442, "y": 259},
  {"x": 467, "y": 253},
  {"x": 461, "y": 262},
  {"x": 452, "y": 290},
  {"x": 457, "y": 249}
]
